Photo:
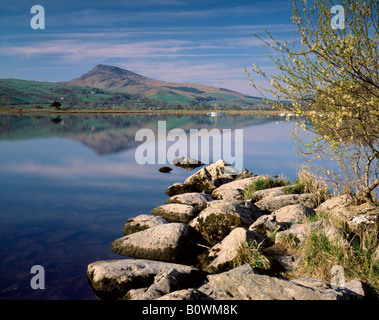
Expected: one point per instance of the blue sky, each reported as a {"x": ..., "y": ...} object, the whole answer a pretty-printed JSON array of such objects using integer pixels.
[{"x": 198, "y": 41}]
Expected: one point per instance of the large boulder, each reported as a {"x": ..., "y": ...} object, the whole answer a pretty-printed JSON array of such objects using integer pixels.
[
  {"x": 295, "y": 213},
  {"x": 196, "y": 199},
  {"x": 112, "y": 279},
  {"x": 244, "y": 284},
  {"x": 212, "y": 176},
  {"x": 179, "y": 188},
  {"x": 172, "y": 242},
  {"x": 175, "y": 212},
  {"x": 142, "y": 222},
  {"x": 234, "y": 189},
  {"x": 270, "y": 204},
  {"x": 221, "y": 257},
  {"x": 271, "y": 192},
  {"x": 220, "y": 217}
]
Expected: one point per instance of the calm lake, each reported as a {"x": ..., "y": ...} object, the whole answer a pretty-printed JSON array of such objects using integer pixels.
[{"x": 68, "y": 184}]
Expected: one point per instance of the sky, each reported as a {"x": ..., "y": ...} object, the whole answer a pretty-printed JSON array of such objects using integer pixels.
[{"x": 200, "y": 41}]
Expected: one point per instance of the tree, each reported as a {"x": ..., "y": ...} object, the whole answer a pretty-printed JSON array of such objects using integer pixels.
[
  {"x": 332, "y": 81},
  {"x": 56, "y": 104}
]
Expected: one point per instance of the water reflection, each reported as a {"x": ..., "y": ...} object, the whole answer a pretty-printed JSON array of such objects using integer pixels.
[{"x": 67, "y": 187}]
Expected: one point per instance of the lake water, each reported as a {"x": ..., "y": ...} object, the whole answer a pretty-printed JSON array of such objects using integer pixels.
[{"x": 68, "y": 184}]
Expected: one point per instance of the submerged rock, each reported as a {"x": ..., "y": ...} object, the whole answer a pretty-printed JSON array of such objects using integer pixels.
[
  {"x": 165, "y": 169},
  {"x": 187, "y": 163}
]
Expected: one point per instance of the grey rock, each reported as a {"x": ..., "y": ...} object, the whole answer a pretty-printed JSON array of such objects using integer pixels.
[
  {"x": 266, "y": 225},
  {"x": 142, "y": 222},
  {"x": 220, "y": 217},
  {"x": 172, "y": 242},
  {"x": 270, "y": 204},
  {"x": 245, "y": 285},
  {"x": 233, "y": 190},
  {"x": 112, "y": 279},
  {"x": 175, "y": 212},
  {"x": 186, "y": 294},
  {"x": 302, "y": 231},
  {"x": 244, "y": 174},
  {"x": 187, "y": 163},
  {"x": 164, "y": 283},
  {"x": 179, "y": 188},
  {"x": 212, "y": 176},
  {"x": 271, "y": 192},
  {"x": 295, "y": 213},
  {"x": 221, "y": 257},
  {"x": 195, "y": 199}
]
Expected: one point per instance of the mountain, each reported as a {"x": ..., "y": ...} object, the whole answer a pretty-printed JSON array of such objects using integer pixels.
[
  {"x": 116, "y": 79},
  {"x": 108, "y": 87}
]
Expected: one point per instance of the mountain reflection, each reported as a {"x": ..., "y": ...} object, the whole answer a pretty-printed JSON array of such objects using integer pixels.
[{"x": 109, "y": 134}]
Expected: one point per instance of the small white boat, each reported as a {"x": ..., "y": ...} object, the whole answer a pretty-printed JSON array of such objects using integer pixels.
[{"x": 214, "y": 113}]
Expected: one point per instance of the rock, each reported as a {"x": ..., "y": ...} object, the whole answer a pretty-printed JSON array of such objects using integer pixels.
[
  {"x": 187, "y": 163},
  {"x": 302, "y": 231},
  {"x": 165, "y": 169},
  {"x": 164, "y": 283},
  {"x": 212, "y": 176},
  {"x": 270, "y": 204},
  {"x": 186, "y": 294},
  {"x": 112, "y": 279},
  {"x": 175, "y": 212},
  {"x": 179, "y": 188},
  {"x": 221, "y": 257},
  {"x": 289, "y": 262},
  {"x": 220, "y": 217},
  {"x": 172, "y": 242},
  {"x": 295, "y": 213},
  {"x": 142, "y": 222},
  {"x": 244, "y": 174},
  {"x": 362, "y": 218},
  {"x": 266, "y": 225},
  {"x": 335, "y": 203},
  {"x": 195, "y": 199},
  {"x": 271, "y": 192},
  {"x": 246, "y": 285},
  {"x": 352, "y": 289},
  {"x": 233, "y": 190}
]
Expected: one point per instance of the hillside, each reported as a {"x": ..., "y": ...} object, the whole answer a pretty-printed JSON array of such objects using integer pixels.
[
  {"x": 117, "y": 79},
  {"x": 107, "y": 87}
]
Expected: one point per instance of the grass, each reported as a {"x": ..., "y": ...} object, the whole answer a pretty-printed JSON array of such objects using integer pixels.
[
  {"x": 319, "y": 254},
  {"x": 262, "y": 184},
  {"x": 249, "y": 252}
]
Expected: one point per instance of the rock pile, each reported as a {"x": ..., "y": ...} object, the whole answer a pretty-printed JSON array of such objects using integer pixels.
[{"x": 186, "y": 250}]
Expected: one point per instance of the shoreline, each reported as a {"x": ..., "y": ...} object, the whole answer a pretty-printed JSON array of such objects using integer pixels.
[{"x": 62, "y": 112}]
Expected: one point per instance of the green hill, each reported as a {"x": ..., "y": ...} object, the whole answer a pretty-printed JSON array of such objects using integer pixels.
[{"x": 107, "y": 87}]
